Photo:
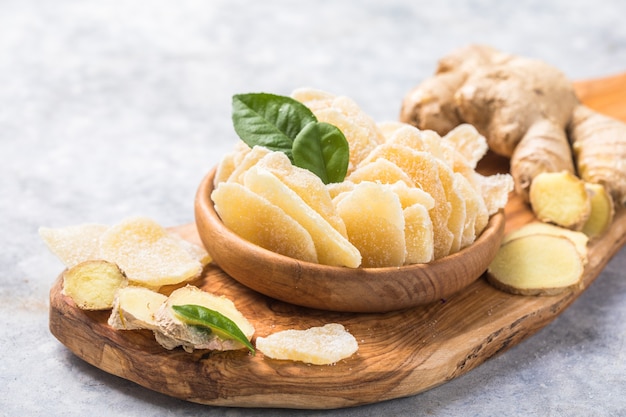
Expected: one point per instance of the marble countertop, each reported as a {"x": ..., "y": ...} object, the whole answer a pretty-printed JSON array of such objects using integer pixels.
[{"x": 119, "y": 108}]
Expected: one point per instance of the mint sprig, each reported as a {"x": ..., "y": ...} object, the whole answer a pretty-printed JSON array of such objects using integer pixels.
[{"x": 283, "y": 124}]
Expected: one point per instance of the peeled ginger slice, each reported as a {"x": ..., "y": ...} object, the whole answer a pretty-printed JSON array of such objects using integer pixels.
[
  {"x": 324, "y": 345},
  {"x": 536, "y": 264},
  {"x": 92, "y": 284},
  {"x": 602, "y": 210},
  {"x": 579, "y": 239},
  {"x": 148, "y": 254}
]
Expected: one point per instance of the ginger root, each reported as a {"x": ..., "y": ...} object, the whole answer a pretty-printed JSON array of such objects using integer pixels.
[
  {"x": 599, "y": 144},
  {"x": 528, "y": 111}
]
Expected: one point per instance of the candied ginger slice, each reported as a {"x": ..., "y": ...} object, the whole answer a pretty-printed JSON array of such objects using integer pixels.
[
  {"x": 476, "y": 215},
  {"x": 351, "y": 109},
  {"x": 331, "y": 246},
  {"x": 307, "y": 185},
  {"x": 387, "y": 128},
  {"x": 418, "y": 230},
  {"x": 147, "y": 253},
  {"x": 375, "y": 222},
  {"x": 359, "y": 141},
  {"x": 423, "y": 169},
  {"x": 468, "y": 142},
  {"x": 381, "y": 170},
  {"x": 324, "y": 345},
  {"x": 412, "y": 195},
  {"x": 495, "y": 190},
  {"x": 257, "y": 220},
  {"x": 312, "y": 98},
  {"x": 74, "y": 244},
  {"x": 250, "y": 159},
  {"x": 456, "y": 221}
]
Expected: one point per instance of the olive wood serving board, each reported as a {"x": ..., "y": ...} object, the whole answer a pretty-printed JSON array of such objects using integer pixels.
[{"x": 400, "y": 353}]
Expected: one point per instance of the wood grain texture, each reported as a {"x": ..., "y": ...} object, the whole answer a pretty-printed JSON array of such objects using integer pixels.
[{"x": 400, "y": 353}]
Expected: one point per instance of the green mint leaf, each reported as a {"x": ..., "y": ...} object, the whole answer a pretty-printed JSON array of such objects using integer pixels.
[
  {"x": 269, "y": 120},
  {"x": 215, "y": 321},
  {"x": 322, "y": 149}
]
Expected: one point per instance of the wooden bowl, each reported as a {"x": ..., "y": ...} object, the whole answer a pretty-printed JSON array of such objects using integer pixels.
[{"x": 359, "y": 290}]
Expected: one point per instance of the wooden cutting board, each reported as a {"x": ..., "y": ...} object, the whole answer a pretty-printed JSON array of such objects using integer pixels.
[{"x": 400, "y": 353}]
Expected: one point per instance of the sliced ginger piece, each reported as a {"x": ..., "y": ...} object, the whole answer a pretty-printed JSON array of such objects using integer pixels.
[
  {"x": 359, "y": 139},
  {"x": 468, "y": 142},
  {"x": 313, "y": 98},
  {"x": 338, "y": 188},
  {"x": 307, "y": 185},
  {"x": 560, "y": 198},
  {"x": 230, "y": 162},
  {"x": 579, "y": 239},
  {"x": 423, "y": 169},
  {"x": 476, "y": 213},
  {"x": 224, "y": 169},
  {"x": 92, "y": 284},
  {"x": 536, "y": 264},
  {"x": 148, "y": 254},
  {"x": 257, "y": 220},
  {"x": 389, "y": 127},
  {"x": 495, "y": 190},
  {"x": 454, "y": 196},
  {"x": 419, "y": 236},
  {"x": 375, "y": 223},
  {"x": 135, "y": 308},
  {"x": 381, "y": 170},
  {"x": 172, "y": 332},
  {"x": 324, "y": 345},
  {"x": 197, "y": 252},
  {"x": 412, "y": 195},
  {"x": 250, "y": 159},
  {"x": 74, "y": 244},
  {"x": 331, "y": 246},
  {"x": 602, "y": 210}
]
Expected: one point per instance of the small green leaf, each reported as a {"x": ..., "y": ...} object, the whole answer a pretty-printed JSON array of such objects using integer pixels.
[
  {"x": 215, "y": 321},
  {"x": 269, "y": 120},
  {"x": 322, "y": 149}
]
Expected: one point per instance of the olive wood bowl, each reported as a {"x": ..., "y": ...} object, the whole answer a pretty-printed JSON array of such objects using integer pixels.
[{"x": 358, "y": 290}]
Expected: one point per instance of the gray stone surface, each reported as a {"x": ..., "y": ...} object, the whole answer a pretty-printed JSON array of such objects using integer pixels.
[{"x": 111, "y": 109}]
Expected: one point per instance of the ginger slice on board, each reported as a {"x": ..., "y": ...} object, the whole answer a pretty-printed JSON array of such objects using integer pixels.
[
  {"x": 74, "y": 244},
  {"x": 148, "y": 254},
  {"x": 324, "y": 345}
]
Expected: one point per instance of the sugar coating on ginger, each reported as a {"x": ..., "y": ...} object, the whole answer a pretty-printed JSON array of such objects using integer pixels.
[{"x": 325, "y": 345}]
